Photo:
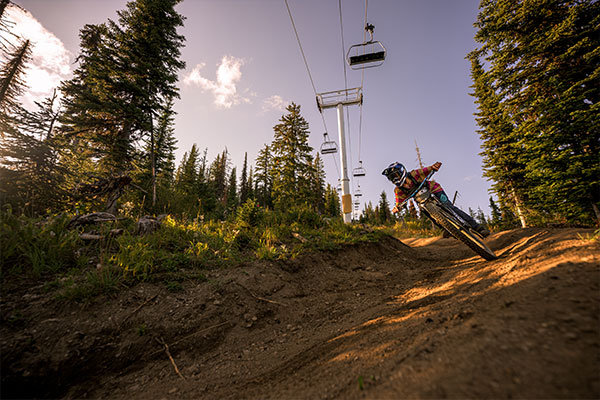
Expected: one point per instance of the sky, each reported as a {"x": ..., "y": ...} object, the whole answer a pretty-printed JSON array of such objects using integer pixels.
[{"x": 244, "y": 66}]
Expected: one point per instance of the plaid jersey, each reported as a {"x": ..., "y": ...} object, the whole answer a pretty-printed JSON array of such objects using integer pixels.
[{"x": 419, "y": 176}]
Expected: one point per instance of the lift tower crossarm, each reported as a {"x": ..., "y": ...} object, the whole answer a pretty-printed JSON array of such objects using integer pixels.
[{"x": 345, "y": 97}]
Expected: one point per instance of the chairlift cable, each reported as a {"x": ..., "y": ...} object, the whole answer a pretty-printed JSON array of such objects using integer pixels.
[
  {"x": 362, "y": 84},
  {"x": 309, "y": 74}
]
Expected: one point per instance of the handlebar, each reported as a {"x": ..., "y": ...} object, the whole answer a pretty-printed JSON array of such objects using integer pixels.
[{"x": 418, "y": 188}]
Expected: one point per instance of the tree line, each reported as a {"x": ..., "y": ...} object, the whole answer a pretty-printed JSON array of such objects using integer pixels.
[
  {"x": 109, "y": 140},
  {"x": 110, "y": 143}
]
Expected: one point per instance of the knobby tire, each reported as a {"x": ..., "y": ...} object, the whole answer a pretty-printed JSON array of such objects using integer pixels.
[{"x": 449, "y": 223}]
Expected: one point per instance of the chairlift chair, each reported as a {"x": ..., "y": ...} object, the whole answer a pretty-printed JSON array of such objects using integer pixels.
[
  {"x": 360, "y": 171},
  {"x": 328, "y": 146},
  {"x": 368, "y": 54},
  {"x": 357, "y": 192}
]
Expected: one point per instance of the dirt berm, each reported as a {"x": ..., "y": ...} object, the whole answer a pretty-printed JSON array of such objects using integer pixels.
[{"x": 417, "y": 318}]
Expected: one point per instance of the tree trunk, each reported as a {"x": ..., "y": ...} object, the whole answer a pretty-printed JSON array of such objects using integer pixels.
[
  {"x": 518, "y": 207},
  {"x": 597, "y": 212},
  {"x": 153, "y": 158}
]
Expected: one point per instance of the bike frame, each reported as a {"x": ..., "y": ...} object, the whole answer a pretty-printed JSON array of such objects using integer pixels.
[{"x": 422, "y": 195}]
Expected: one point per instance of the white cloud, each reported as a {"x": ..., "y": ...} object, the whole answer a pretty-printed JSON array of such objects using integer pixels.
[
  {"x": 274, "y": 102},
  {"x": 224, "y": 89},
  {"x": 50, "y": 61}
]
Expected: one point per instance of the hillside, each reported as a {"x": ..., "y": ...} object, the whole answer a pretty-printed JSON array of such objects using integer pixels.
[{"x": 417, "y": 318}]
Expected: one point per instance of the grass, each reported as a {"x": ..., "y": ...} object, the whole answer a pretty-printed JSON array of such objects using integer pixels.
[
  {"x": 50, "y": 251},
  {"x": 591, "y": 237}
]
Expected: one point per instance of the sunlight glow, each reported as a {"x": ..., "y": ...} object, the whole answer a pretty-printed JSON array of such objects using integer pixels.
[{"x": 50, "y": 59}]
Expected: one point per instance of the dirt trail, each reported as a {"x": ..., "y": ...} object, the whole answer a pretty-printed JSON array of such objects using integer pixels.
[{"x": 421, "y": 318}]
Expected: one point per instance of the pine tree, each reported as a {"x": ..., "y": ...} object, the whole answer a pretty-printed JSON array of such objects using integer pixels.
[
  {"x": 218, "y": 176},
  {"x": 369, "y": 214},
  {"x": 12, "y": 86},
  {"x": 232, "y": 199},
  {"x": 541, "y": 75},
  {"x": 165, "y": 147},
  {"x": 317, "y": 178},
  {"x": 263, "y": 184},
  {"x": 158, "y": 166},
  {"x": 383, "y": 213},
  {"x": 250, "y": 184},
  {"x": 292, "y": 160},
  {"x": 187, "y": 174},
  {"x": 502, "y": 154},
  {"x": 332, "y": 202},
  {"x": 31, "y": 168},
  {"x": 126, "y": 74},
  {"x": 244, "y": 186},
  {"x": 496, "y": 216}
]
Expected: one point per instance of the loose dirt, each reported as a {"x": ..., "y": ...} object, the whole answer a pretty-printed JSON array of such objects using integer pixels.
[{"x": 416, "y": 318}]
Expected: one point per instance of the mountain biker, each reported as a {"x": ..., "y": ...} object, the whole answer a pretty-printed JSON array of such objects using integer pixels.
[{"x": 405, "y": 182}]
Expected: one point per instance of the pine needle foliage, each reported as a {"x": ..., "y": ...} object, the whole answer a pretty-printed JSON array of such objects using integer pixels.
[{"x": 536, "y": 75}]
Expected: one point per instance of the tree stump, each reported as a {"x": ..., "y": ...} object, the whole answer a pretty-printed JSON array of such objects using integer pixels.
[{"x": 147, "y": 224}]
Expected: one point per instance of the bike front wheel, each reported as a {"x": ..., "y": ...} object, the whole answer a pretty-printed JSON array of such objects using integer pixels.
[{"x": 449, "y": 223}]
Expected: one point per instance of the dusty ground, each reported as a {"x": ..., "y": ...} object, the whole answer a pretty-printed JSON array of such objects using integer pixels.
[{"x": 382, "y": 321}]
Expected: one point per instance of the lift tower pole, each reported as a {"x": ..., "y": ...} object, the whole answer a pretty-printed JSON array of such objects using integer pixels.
[{"x": 338, "y": 99}]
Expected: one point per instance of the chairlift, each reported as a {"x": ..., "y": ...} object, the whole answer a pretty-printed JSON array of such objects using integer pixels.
[
  {"x": 360, "y": 171},
  {"x": 328, "y": 146},
  {"x": 357, "y": 192},
  {"x": 368, "y": 54}
]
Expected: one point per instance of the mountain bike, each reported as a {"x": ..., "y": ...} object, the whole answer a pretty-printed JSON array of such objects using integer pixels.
[{"x": 446, "y": 218}]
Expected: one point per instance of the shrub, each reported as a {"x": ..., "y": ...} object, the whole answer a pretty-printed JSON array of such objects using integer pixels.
[
  {"x": 249, "y": 214},
  {"x": 36, "y": 247}
]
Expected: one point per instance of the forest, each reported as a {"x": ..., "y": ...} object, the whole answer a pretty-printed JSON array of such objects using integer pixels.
[{"x": 106, "y": 145}]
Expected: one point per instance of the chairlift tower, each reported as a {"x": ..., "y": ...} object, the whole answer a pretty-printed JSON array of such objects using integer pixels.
[{"x": 338, "y": 99}]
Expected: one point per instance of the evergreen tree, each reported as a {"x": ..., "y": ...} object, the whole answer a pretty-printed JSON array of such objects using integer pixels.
[
  {"x": 11, "y": 83},
  {"x": 383, "y": 209},
  {"x": 164, "y": 150},
  {"x": 250, "y": 184},
  {"x": 496, "y": 216},
  {"x": 317, "y": 172},
  {"x": 218, "y": 176},
  {"x": 541, "y": 74},
  {"x": 263, "y": 184},
  {"x": 30, "y": 165},
  {"x": 126, "y": 74},
  {"x": 4, "y": 27},
  {"x": 332, "y": 202},
  {"x": 244, "y": 186},
  {"x": 232, "y": 200},
  {"x": 187, "y": 174},
  {"x": 292, "y": 160},
  {"x": 158, "y": 165},
  {"x": 502, "y": 153}
]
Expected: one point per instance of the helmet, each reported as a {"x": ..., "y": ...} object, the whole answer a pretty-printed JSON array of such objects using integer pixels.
[{"x": 396, "y": 173}]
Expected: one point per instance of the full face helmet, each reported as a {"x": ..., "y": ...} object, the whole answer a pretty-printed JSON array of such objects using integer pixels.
[{"x": 396, "y": 173}]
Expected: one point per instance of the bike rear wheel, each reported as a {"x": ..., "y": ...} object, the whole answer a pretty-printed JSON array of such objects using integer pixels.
[{"x": 449, "y": 222}]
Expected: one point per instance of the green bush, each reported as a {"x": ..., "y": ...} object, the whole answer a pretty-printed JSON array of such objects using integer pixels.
[
  {"x": 36, "y": 246},
  {"x": 249, "y": 214}
]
